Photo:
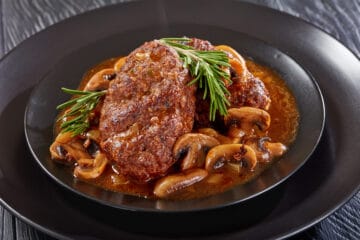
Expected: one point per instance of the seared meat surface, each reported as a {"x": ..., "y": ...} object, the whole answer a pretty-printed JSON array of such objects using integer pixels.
[
  {"x": 249, "y": 92},
  {"x": 200, "y": 44},
  {"x": 244, "y": 91},
  {"x": 148, "y": 106}
]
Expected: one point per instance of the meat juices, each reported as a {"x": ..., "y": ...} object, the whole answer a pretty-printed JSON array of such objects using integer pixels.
[{"x": 148, "y": 106}]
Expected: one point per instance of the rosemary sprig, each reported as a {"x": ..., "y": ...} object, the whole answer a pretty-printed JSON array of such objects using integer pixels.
[
  {"x": 207, "y": 68},
  {"x": 76, "y": 118}
]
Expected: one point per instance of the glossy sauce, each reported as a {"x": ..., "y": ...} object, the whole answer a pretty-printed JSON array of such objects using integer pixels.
[{"x": 283, "y": 128}]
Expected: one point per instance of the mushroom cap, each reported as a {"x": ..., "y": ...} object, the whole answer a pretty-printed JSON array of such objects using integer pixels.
[
  {"x": 175, "y": 182},
  {"x": 221, "y": 138},
  {"x": 219, "y": 155},
  {"x": 276, "y": 149},
  {"x": 193, "y": 146},
  {"x": 100, "y": 80},
  {"x": 67, "y": 149},
  {"x": 245, "y": 119},
  {"x": 119, "y": 63},
  {"x": 94, "y": 170},
  {"x": 236, "y": 61},
  {"x": 266, "y": 150}
]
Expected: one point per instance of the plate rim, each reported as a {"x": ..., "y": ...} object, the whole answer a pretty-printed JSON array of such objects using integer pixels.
[
  {"x": 57, "y": 180},
  {"x": 285, "y": 233}
]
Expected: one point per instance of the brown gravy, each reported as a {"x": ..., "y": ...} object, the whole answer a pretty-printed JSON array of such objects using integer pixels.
[{"x": 284, "y": 124}]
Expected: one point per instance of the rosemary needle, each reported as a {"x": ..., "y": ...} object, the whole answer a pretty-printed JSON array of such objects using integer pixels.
[{"x": 76, "y": 117}]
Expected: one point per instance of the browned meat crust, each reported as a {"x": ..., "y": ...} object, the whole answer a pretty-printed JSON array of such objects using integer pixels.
[
  {"x": 200, "y": 44},
  {"x": 148, "y": 106},
  {"x": 250, "y": 91}
]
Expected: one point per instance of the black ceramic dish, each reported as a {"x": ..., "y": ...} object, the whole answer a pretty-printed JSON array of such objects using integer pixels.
[
  {"x": 290, "y": 207},
  {"x": 41, "y": 114}
]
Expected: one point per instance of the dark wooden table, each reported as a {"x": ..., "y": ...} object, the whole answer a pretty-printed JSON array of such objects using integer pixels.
[{"x": 341, "y": 18}]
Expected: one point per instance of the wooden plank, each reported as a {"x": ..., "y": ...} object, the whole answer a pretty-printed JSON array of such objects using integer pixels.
[
  {"x": 7, "y": 225},
  {"x": 22, "y": 19},
  {"x": 337, "y": 17},
  {"x": 1, "y": 30},
  {"x": 25, "y": 232},
  {"x": 2, "y": 224},
  {"x": 341, "y": 20}
]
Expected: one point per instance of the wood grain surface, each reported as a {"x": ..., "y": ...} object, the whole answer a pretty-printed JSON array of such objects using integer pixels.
[{"x": 22, "y": 18}]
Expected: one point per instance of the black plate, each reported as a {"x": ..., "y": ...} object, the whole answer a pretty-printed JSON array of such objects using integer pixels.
[
  {"x": 290, "y": 207},
  {"x": 41, "y": 114}
]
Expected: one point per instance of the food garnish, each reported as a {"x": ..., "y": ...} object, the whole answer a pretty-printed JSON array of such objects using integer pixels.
[
  {"x": 153, "y": 133},
  {"x": 207, "y": 69},
  {"x": 76, "y": 118}
]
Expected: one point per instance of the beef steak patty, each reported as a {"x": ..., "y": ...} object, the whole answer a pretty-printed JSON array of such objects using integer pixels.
[{"x": 147, "y": 107}]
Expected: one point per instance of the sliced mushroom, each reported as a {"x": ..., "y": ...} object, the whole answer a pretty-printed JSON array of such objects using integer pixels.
[
  {"x": 67, "y": 148},
  {"x": 85, "y": 162},
  {"x": 266, "y": 150},
  {"x": 65, "y": 137},
  {"x": 234, "y": 153},
  {"x": 215, "y": 178},
  {"x": 275, "y": 149},
  {"x": 239, "y": 68},
  {"x": 236, "y": 61},
  {"x": 257, "y": 144},
  {"x": 245, "y": 120},
  {"x": 233, "y": 53},
  {"x": 192, "y": 147},
  {"x": 87, "y": 171},
  {"x": 93, "y": 135},
  {"x": 118, "y": 179},
  {"x": 175, "y": 182},
  {"x": 119, "y": 63},
  {"x": 100, "y": 80},
  {"x": 92, "y": 140},
  {"x": 221, "y": 138}
]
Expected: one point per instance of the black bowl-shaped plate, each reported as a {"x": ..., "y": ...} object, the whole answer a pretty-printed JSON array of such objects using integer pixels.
[
  {"x": 40, "y": 114},
  {"x": 326, "y": 181}
]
